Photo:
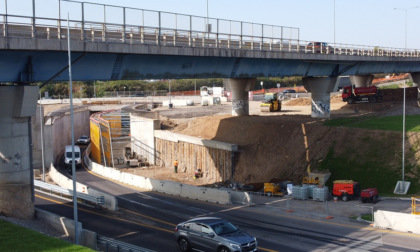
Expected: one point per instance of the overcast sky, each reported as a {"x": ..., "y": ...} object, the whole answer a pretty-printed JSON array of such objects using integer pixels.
[{"x": 358, "y": 22}]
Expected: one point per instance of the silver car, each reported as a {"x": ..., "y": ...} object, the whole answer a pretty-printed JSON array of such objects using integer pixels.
[{"x": 213, "y": 234}]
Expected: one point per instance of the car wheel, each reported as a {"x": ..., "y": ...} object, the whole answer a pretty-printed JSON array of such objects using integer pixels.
[
  {"x": 350, "y": 100},
  {"x": 345, "y": 197},
  {"x": 223, "y": 249},
  {"x": 184, "y": 244}
]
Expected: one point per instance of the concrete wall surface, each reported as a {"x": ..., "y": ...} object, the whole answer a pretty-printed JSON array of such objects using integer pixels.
[
  {"x": 62, "y": 224},
  {"x": 142, "y": 136},
  {"x": 397, "y": 221},
  {"x": 110, "y": 203},
  {"x": 214, "y": 158},
  {"x": 163, "y": 186}
]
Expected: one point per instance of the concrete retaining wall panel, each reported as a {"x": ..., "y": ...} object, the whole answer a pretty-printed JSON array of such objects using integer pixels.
[
  {"x": 59, "y": 223},
  {"x": 215, "y": 164},
  {"x": 397, "y": 221}
]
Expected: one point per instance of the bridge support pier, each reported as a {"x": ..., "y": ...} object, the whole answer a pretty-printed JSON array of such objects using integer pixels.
[
  {"x": 320, "y": 87},
  {"x": 17, "y": 105},
  {"x": 240, "y": 98},
  {"x": 415, "y": 77},
  {"x": 361, "y": 80}
]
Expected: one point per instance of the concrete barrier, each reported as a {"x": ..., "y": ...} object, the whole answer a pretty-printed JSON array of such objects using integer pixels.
[
  {"x": 241, "y": 197},
  {"x": 397, "y": 221},
  {"x": 163, "y": 186},
  {"x": 63, "y": 225},
  {"x": 110, "y": 202}
]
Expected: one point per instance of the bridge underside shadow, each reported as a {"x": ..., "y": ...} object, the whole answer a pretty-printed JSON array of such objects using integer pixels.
[{"x": 43, "y": 66}]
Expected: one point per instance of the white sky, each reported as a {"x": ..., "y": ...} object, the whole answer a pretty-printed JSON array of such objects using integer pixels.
[{"x": 358, "y": 22}]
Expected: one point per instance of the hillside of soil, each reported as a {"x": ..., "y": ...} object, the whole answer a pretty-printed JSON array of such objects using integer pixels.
[{"x": 282, "y": 147}]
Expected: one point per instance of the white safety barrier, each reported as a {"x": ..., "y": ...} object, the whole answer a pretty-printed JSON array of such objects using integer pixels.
[
  {"x": 402, "y": 222},
  {"x": 110, "y": 201},
  {"x": 163, "y": 186}
]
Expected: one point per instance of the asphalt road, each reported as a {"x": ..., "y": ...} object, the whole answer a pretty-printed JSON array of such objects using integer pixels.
[{"x": 147, "y": 219}]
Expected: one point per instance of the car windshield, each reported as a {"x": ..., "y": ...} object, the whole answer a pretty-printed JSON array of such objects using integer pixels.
[
  {"x": 76, "y": 154},
  {"x": 83, "y": 137},
  {"x": 268, "y": 97},
  {"x": 224, "y": 228}
]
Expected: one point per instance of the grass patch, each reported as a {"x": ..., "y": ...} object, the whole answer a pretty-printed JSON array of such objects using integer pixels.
[
  {"x": 393, "y": 123},
  {"x": 367, "y": 217},
  {"x": 17, "y": 238}
]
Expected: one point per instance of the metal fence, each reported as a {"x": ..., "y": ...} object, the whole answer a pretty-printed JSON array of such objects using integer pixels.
[
  {"x": 109, "y": 245},
  {"x": 60, "y": 191},
  {"x": 92, "y": 22}
]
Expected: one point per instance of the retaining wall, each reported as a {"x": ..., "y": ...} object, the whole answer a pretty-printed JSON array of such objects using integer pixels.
[
  {"x": 215, "y": 159},
  {"x": 397, "y": 221},
  {"x": 62, "y": 224}
]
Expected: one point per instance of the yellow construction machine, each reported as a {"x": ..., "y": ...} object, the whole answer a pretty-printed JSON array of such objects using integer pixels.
[{"x": 270, "y": 103}]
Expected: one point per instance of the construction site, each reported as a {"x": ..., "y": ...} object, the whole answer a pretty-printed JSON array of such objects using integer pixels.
[{"x": 271, "y": 147}]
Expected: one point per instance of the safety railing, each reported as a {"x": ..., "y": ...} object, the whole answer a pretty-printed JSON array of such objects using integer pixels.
[
  {"x": 415, "y": 205},
  {"x": 139, "y": 26},
  {"x": 108, "y": 245},
  {"x": 57, "y": 190}
]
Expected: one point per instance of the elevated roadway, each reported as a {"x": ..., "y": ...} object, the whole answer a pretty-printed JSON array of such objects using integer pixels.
[{"x": 34, "y": 48}]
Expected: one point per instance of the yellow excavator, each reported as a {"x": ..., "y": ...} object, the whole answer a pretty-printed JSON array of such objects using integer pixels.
[{"x": 270, "y": 103}]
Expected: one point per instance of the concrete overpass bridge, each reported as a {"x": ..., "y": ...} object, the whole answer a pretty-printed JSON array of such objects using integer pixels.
[{"x": 148, "y": 44}]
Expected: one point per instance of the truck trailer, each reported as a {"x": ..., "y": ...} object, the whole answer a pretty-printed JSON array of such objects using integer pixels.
[{"x": 353, "y": 94}]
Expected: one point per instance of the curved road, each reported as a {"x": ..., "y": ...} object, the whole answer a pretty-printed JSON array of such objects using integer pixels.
[{"x": 147, "y": 219}]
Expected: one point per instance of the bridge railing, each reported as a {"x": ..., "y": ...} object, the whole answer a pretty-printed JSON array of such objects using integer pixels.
[{"x": 172, "y": 29}]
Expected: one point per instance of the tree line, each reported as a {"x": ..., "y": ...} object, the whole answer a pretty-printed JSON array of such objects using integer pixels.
[{"x": 89, "y": 89}]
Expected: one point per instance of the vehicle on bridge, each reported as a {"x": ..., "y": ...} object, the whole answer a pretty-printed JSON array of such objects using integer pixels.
[
  {"x": 369, "y": 94},
  {"x": 270, "y": 103},
  {"x": 320, "y": 47},
  {"x": 213, "y": 234}
]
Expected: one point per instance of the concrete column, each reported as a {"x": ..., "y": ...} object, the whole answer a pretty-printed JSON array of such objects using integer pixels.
[
  {"x": 415, "y": 77},
  {"x": 240, "y": 88},
  {"x": 361, "y": 80},
  {"x": 17, "y": 105},
  {"x": 320, "y": 88}
]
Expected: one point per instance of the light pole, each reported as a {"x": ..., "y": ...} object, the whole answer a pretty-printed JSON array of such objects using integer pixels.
[
  {"x": 334, "y": 21},
  {"x": 42, "y": 136},
  {"x": 402, "y": 187},
  {"x": 261, "y": 85},
  {"x": 406, "y": 10}
]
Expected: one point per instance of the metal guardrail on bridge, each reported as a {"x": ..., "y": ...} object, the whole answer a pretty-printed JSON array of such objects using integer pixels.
[
  {"x": 63, "y": 191},
  {"x": 139, "y": 26},
  {"x": 110, "y": 245}
]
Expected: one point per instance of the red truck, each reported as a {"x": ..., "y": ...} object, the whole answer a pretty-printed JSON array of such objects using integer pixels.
[{"x": 352, "y": 94}]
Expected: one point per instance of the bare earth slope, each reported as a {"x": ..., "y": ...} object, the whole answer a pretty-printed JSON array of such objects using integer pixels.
[{"x": 282, "y": 145}]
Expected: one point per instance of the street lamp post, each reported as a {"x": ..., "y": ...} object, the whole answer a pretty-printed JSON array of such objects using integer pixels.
[
  {"x": 124, "y": 91},
  {"x": 261, "y": 85},
  {"x": 406, "y": 10},
  {"x": 334, "y": 21},
  {"x": 402, "y": 185}
]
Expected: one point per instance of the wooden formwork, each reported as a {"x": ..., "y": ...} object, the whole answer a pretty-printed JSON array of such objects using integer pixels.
[{"x": 215, "y": 164}]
